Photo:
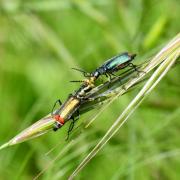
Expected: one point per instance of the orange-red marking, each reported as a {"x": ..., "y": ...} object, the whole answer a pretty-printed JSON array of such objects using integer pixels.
[{"x": 58, "y": 118}]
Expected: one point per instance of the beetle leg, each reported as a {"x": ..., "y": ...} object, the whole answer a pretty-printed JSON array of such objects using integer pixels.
[
  {"x": 114, "y": 74},
  {"x": 78, "y": 113},
  {"x": 106, "y": 75},
  {"x": 135, "y": 68},
  {"x": 71, "y": 126},
  {"x": 57, "y": 101},
  {"x": 110, "y": 77}
]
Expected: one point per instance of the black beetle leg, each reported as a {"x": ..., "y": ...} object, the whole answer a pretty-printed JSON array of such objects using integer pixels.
[
  {"x": 57, "y": 101},
  {"x": 71, "y": 126},
  {"x": 114, "y": 74},
  {"x": 106, "y": 75},
  {"x": 110, "y": 77},
  {"x": 78, "y": 115},
  {"x": 135, "y": 68}
]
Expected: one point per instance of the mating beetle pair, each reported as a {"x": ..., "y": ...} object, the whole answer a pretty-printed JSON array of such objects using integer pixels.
[{"x": 73, "y": 102}]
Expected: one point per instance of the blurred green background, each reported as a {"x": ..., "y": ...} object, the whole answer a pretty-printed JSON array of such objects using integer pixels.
[{"x": 40, "y": 41}]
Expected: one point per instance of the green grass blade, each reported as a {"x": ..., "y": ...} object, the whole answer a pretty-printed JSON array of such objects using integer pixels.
[
  {"x": 37, "y": 129},
  {"x": 170, "y": 58}
]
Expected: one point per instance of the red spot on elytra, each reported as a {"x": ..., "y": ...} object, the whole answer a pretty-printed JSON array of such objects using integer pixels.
[
  {"x": 58, "y": 118},
  {"x": 121, "y": 66}
]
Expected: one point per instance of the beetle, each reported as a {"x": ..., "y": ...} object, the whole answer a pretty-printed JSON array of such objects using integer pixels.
[
  {"x": 110, "y": 66},
  {"x": 74, "y": 100},
  {"x": 114, "y": 64}
]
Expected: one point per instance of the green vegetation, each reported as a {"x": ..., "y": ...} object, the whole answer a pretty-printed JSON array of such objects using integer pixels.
[{"x": 39, "y": 43}]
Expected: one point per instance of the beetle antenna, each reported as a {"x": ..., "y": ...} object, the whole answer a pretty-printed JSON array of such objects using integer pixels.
[
  {"x": 76, "y": 81},
  {"x": 86, "y": 74}
]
